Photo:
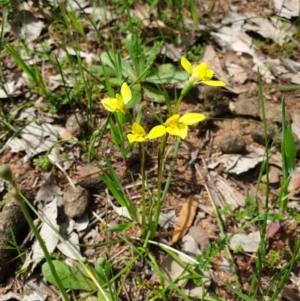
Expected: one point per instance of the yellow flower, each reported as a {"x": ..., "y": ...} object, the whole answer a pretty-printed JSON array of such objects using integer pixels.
[
  {"x": 138, "y": 134},
  {"x": 178, "y": 126},
  {"x": 200, "y": 74},
  {"x": 156, "y": 132},
  {"x": 118, "y": 104}
]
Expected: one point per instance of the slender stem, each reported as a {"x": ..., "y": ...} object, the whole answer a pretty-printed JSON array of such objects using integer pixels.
[
  {"x": 170, "y": 173},
  {"x": 183, "y": 93},
  {"x": 159, "y": 182},
  {"x": 142, "y": 154}
]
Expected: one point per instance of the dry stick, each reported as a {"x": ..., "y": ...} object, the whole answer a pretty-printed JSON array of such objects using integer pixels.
[
  {"x": 66, "y": 175},
  {"x": 194, "y": 155},
  {"x": 215, "y": 210}
]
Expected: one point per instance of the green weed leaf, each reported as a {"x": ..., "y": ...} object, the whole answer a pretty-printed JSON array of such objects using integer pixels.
[
  {"x": 102, "y": 271},
  {"x": 71, "y": 277},
  {"x": 114, "y": 185},
  {"x": 121, "y": 227},
  {"x": 134, "y": 47},
  {"x": 166, "y": 74},
  {"x": 154, "y": 94},
  {"x": 290, "y": 151},
  {"x": 110, "y": 59}
]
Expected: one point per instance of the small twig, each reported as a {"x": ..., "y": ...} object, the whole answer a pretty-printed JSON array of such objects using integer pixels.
[
  {"x": 66, "y": 175},
  {"x": 194, "y": 155}
]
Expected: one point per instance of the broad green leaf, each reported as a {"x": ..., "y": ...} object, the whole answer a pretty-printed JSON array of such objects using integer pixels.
[
  {"x": 290, "y": 151},
  {"x": 154, "y": 94},
  {"x": 72, "y": 277},
  {"x": 110, "y": 59},
  {"x": 166, "y": 74},
  {"x": 103, "y": 271},
  {"x": 99, "y": 70}
]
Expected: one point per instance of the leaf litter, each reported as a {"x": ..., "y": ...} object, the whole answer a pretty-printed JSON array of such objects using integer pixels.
[{"x": 241, "y": 65}]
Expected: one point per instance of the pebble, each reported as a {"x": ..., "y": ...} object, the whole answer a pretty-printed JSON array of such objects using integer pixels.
[
  {"x": 75, "y": 123},
  {"x": 258, "y": 133},
  {"x": 75, "y": 201},
  {"x": 200, "y": 236},
  {"x": 232, "y": 144}
]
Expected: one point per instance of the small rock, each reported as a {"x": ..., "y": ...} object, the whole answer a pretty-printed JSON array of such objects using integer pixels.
[
  {"x": 274, "y": 175},
  {"x": 215, "y": 100},
  {"x": 200, "y": 236},
  {"x": 75, "y": 123},
  {"x": 247, "y": 105},
  {"x": 92, "y": 180},
  {"x": 232, "y": 144},
  {"x": 258, "y": 133},
  {"x": 249, "y": 242},
  {"x": 75, "y": 201}
]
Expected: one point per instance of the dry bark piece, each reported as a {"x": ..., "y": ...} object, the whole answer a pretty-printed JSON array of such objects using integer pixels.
[
  {"x": 185, "y": 219},
  {"x": 75, "y": 201},
  {"x": 11, "y": 221}
]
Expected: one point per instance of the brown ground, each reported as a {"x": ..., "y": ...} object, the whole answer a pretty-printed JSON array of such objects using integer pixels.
[{"x": 186, "y": 181}]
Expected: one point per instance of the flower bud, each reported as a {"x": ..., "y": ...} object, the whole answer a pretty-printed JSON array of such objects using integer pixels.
[{"x": 6, "y": 173}]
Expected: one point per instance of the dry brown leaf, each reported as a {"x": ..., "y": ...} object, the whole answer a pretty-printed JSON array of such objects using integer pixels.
[{"x": 185, "y": 219}]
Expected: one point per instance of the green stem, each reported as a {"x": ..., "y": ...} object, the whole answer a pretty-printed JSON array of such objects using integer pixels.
[
  {"x": 170, "y": 173},
  {"x": 183, "y": 93},
  {"x": 159, "y": 182},
  {"x": 142, "y": 154}
]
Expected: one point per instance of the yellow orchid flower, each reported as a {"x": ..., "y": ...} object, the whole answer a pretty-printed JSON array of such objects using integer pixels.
[
  {"x": 177, "y": 125},
  {"x": 137, "y": 134},
  {"x": 118, "y": 104},
  {"x": 156, "y": 132},
  {"x": 200, "y": 74}
]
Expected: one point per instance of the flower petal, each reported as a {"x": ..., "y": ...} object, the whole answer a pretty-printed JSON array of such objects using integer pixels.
[
  {"x": 120, "y": 104},
  {"x": 187, "y": 66},
  {"x": 156, "y": 132},
  {"x": 200, "y": 71},
  {"x": 209, "y": 74},
  {"x": 191, "y": 118},
  {"x": 180, "y": 131},
  {"x": 183, "y": 128},
  {"x": 110, "y": 104},
  {"x": 135, "y": 138},
  {"x": 172, "y": 121},
  {"x": 126, "y": 93},
  {"x": 138, "y": 130},
  {"x": 214, "y": 83}
]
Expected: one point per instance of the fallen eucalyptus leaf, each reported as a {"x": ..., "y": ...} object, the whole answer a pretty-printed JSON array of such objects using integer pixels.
[{"x": 185, "y": 219}]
